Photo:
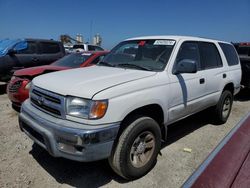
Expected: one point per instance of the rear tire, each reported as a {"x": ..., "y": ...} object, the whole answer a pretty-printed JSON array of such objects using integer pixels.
[
  {"x": 137, "y": 149},
  {"x": 223, "y": 108}
]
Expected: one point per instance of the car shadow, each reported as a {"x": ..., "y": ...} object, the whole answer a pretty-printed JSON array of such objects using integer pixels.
[
  {"x": 3, "y": 88},
  {"x": 188, "y": 125},
  {"x": 73, "y": 173},
  {"x": 99, "y": 173},
  {"x": 243, "y": 95}
]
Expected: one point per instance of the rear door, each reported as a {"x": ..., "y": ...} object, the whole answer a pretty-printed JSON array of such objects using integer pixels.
[
  {"x": 187, "y": 89},
  {"x": 49, "y": 52},
  {"x": 211, "y": 64}
]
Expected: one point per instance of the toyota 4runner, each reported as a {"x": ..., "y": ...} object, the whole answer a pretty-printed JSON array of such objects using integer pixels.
[{"x": 120, "y": 109}]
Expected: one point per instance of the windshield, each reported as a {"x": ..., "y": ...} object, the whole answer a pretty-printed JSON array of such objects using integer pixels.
[
  {"x": 72, "y": 60},
  {"x": 151, "y": 55}
]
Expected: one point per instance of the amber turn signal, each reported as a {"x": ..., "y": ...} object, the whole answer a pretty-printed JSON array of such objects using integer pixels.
[{"x": 98, "y": 109}]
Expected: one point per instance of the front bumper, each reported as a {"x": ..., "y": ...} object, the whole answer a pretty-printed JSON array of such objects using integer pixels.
[{"x": 67, "y": 139}]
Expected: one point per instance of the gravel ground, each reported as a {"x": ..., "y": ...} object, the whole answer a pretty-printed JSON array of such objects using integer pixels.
[{"x": 23, "y": 164}]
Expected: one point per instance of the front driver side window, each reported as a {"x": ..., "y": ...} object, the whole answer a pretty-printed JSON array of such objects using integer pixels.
[{"x": 190, "y": 51}]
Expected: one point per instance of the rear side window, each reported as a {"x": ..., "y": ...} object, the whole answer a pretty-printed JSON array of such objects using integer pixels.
[
  {"x": 210, "y": 57},
  {"x": 31, "y": 48},
  {"x": 230, "y": 53},
  {"x": 49, "y": 48}
]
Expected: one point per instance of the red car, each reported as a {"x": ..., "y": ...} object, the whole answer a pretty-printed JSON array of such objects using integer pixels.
[
  {"x": 228, "y": 165},
  {"x": 18, "y": 87}
]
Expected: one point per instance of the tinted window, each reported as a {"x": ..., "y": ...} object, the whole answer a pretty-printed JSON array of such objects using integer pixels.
[
  {"x": 72, "y": 60},
  {"x": 230, "y": 53},
  {"x": 189, "y": 50},
  {"x": 49, "y": 48},
  {"x": 31, "y": 48},
  {"x": 210, "y": 57}
]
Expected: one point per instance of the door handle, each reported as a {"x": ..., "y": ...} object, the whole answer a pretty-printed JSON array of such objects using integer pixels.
[
  {"x": 202, "y": 80},
  {"x": 224, "y": 75}
]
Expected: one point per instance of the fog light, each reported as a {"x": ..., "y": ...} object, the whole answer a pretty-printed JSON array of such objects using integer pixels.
[{"x": 66, "y": 148}]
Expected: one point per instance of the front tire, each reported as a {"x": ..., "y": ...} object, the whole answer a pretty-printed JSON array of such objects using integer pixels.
[
  {"x": 137, "y": 149},
  {"x": 223, "y": 108}
]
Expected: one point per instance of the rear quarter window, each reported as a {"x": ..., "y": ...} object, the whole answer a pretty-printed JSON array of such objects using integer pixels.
[
  {"x": 49, "y": 48},
  {"x": 230, "y": 54}
]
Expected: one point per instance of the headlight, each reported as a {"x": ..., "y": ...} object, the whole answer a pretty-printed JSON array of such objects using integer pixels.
[
  {"x": 28, "y": 86},
  {"x": 13, "y": 78},
  {"x": 84, "y": 108}
]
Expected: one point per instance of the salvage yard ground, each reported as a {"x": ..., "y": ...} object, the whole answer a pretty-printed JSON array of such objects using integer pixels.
[{"x": 23, "y": 164}]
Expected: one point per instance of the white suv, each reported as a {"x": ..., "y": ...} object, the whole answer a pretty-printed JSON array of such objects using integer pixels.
[{"x": 121, "y": 108}]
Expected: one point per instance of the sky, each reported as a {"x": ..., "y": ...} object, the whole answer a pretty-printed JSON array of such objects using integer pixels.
[{"x": 116, "y": 20}]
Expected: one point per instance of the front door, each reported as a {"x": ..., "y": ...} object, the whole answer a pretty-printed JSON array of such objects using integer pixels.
[{"x": 187, "y": 89}]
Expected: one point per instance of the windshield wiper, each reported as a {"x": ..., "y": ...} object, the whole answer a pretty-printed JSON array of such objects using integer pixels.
[
  {"x": 105, "y": 64},
  {"x": 133, "y": 66}
]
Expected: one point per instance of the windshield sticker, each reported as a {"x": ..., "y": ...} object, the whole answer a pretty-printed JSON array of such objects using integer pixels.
[
  {"x": 88, "y": 54},
  {"x": 164, "y": 42},
  {"x": 142, "y": 43}
]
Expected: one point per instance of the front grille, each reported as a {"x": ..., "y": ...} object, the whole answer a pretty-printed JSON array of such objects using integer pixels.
[
  {"x": 47, "y": 101},
  {"x": 47, "y": 108},
  {"x": 50, "y": 98},
  {"x": 15, "y": 86}
]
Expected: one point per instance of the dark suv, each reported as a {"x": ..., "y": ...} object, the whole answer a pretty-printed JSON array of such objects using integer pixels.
[
  {"x": 243, "y": 50},
  {"x": 18, "y": 54}
]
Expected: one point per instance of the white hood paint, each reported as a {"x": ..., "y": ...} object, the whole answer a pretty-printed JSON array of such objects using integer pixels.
[{"x": 86, "y": 82}]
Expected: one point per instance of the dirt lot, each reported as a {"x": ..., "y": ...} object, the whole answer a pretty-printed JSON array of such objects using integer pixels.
[{"x": 23, "y": 164}]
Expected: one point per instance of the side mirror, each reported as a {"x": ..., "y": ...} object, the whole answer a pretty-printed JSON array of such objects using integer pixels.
[{"x": 186, "y": 66}]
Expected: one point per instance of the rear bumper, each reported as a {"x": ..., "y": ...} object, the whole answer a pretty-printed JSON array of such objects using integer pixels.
[{"x": 87, "y": 143}]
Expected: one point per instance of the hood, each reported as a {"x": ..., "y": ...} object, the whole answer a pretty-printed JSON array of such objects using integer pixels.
[
  {"x": 87, "y": 82},
  {"x": 34, "y": 71}
]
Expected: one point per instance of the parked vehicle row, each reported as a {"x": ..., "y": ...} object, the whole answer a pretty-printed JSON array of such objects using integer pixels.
[
  {"x": 120, "y": 108},
  {"x": 18, "y": 87},
  {"x": 19, "y": 54}
]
